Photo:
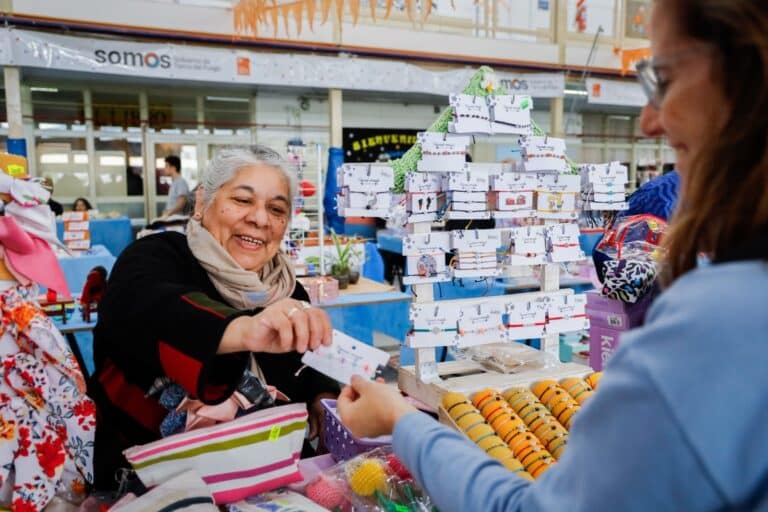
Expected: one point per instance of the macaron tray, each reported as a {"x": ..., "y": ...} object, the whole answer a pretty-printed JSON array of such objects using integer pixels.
[{"x": 524, "y": 428}]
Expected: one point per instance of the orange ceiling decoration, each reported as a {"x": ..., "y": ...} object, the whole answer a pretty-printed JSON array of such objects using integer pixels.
[
  {"x": 629, "y": 57},
  {"x": 253, "y": 17}
]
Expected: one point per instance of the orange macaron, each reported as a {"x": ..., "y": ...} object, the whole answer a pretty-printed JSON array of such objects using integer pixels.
[
  {"x": 543, "y": 386},
  {"x": 593, "y": 379},
  {"x": 481, "y": 397},
  {"x": 491, "y": 406}
]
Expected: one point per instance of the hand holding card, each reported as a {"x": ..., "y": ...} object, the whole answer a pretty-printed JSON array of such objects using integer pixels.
[{"x": 345, "y": 357}]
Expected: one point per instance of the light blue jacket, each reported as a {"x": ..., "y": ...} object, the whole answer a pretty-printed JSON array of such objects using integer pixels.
[{"x": 679, "y": 423}]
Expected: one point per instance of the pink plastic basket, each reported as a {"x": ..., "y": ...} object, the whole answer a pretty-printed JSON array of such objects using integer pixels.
[{"x": 340, "y": 442}]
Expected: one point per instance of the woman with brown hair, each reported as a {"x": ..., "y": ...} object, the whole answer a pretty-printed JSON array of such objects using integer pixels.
[{"x": 679, "y": 420}]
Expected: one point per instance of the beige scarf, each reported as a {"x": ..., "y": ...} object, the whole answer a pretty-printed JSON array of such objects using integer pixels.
[{"x": 242, "y": 289}]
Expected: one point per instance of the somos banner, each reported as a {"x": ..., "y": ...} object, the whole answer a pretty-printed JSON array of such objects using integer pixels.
[{"x": 221, "y": 65}]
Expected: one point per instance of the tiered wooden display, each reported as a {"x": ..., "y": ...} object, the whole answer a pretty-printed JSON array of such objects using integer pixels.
[{"x": 461, "y": 195}]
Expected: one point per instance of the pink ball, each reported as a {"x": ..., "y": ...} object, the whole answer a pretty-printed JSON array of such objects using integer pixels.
[{"x": 326, "y": 492}]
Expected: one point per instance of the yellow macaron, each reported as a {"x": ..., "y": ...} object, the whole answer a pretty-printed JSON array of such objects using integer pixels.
[
  {"x": 469, "y": 420},
  {"x": 459, "y": 410},
  {"x": 489, "y": 442},
  {"x": 479, "y": 431},
  {"x": 451, "y": 399}
]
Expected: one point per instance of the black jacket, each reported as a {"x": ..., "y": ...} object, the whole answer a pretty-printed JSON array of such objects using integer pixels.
[{"x": 161, "y": 316}]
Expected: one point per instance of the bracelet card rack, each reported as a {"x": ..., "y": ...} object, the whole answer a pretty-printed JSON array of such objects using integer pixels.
[{"x": 542, "y": 185}]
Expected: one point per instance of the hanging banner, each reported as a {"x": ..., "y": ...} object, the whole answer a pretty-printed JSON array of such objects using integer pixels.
[
  {"x": 221, "y": 65},
  {"x": 615, "y": 92},
  {"x": 538, "y": 85}
]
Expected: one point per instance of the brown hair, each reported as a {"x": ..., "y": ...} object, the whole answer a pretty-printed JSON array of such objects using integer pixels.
[{"x": 724, "y": 200}]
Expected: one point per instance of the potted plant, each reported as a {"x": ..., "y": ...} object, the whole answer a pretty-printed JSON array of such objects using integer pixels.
[{"x": 340, "y": 269}]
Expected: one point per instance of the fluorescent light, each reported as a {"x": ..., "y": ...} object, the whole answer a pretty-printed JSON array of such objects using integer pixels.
[
  {"x": 80, "y": 158},
  {"x": 54, "y": 158},
  {"x": 135, "y": 161},
  {"x": 52, "y": 126},
  {"x": 112, "y": 161},
  {"x": 227, "y": 99},
  {"x": 43, "y": 89},
  {"x": 575, "y": 92}
]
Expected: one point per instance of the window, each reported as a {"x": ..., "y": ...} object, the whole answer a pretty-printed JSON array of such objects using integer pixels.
[
  {"x": 115, "y": 111},
  {"x": 57, "y": 109}
]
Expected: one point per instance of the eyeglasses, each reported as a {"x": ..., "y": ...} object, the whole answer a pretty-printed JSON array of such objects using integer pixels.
[{"x": 648, "y": 72}]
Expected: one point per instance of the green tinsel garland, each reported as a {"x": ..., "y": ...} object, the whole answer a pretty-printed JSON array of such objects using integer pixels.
[{"x": 408, "y": 162}]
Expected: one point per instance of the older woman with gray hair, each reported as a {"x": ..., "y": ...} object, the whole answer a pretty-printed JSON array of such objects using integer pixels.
[{"x": 206, "y": 315}]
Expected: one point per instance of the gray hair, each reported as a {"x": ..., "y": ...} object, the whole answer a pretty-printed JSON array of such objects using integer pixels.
[{"x": 230, "y": 159}]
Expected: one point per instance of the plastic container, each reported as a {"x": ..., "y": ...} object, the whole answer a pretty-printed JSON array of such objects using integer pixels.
[{"x": 339, "y": 441}]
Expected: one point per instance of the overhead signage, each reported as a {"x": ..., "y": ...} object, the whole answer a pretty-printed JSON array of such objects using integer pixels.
[
  {"x": 615, "y": 92},
  {"x": 222, "y": 65}
]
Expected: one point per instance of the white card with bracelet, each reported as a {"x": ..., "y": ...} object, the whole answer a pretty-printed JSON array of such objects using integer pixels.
[{"x": 345, "y": 357}]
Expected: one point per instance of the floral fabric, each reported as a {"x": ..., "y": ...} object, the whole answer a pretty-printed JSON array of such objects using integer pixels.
[{"x": 46, "y": 421}]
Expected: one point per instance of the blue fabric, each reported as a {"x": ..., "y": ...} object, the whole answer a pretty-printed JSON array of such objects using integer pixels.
[
  {"x": 677, "y": 423},
  {"x": 16, "y": 146},
  {"x": 332, "y": 218},
  {"x": 390, "y": 241},
  {"x": 114, "y": 234},
  {"x": 657, "y": 197},
  {"x": 373, "y": 268},
  {"x": 76, "y": 268}
]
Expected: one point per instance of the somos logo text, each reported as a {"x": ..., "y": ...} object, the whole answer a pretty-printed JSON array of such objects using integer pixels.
[{"x": 133, "y": 59}]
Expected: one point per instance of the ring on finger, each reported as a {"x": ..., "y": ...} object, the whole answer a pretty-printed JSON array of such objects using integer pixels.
[
  {"x": 305, "y": 305},
  {"x": 292, "y": 311}
]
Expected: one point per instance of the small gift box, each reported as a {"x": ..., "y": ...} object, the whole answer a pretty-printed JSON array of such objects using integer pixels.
[{"x": 321, "y": 288}]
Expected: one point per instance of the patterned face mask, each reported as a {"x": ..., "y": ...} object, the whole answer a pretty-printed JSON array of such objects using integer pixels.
[{"x": 628, "y": 280}]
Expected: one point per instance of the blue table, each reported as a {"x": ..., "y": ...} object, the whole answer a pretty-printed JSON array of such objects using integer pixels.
[
  {"x": 79, "y": 335},
  {"x": 360, "y": 314},
  {"x": 389, "y": 240},
  {"x": 76, "y": 268},
  {"x": 114, "y": 234}
]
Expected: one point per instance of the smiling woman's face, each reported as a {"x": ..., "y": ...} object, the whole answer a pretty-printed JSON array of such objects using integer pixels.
[{"x": 249, "y": 214}]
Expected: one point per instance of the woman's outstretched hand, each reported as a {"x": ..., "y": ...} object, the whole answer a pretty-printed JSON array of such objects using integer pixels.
[
  {"x": 287, "y": 325},
  {"x": 371, "y": 409}
]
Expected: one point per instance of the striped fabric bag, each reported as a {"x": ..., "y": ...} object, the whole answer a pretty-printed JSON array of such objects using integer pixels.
[{"x": 252, "y": 454}]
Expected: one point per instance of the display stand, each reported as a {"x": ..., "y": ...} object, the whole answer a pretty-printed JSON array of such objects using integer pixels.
[
  {"x": 304, "y": 220},
  {"x": 545, "y": 186}
]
